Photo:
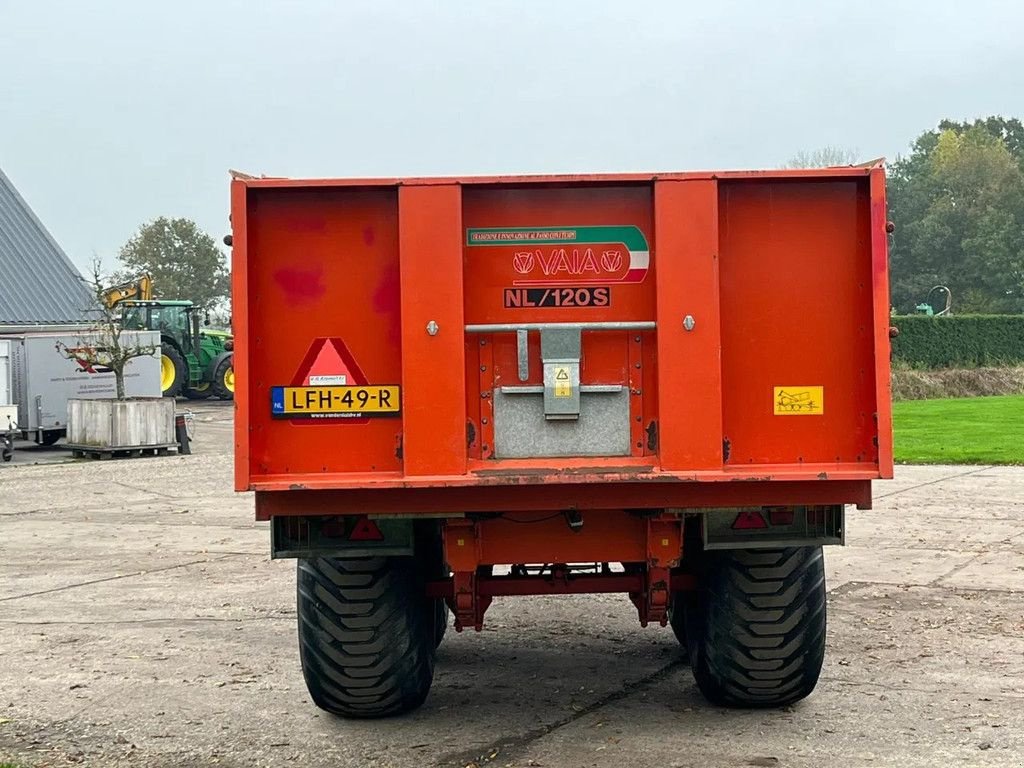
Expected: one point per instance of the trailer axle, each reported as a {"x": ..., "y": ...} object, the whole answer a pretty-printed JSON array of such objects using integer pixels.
[{"x": 470, "y": 594}]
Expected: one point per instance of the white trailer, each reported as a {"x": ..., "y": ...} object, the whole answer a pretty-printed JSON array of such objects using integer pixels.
[
  {"x": 43, "y": 380},
  {"x": 8, "y": 411}
]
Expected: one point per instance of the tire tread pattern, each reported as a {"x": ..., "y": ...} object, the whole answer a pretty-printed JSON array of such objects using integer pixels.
[
  {"x": 365, "y": 642},
  {"x": 756, "y": 626}
]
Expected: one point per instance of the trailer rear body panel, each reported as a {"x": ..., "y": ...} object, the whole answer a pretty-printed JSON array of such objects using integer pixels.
[{"x": 653, "y": 333}]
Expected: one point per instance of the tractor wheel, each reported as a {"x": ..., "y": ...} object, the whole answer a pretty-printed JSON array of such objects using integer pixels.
[
  {"x": 224, "y": 380},
  {"x": 366, "y": 639},
  {"x": 173, "y": 371},
  {"x": 756, "y": 626},
  {"x": 200, "y": 392}
]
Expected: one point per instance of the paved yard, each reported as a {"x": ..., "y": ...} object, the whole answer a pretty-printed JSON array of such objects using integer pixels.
[{"x": 142, "y": 623}]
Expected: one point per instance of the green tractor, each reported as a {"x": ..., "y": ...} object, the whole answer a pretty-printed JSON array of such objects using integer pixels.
[{"x": 195, "y": 362}]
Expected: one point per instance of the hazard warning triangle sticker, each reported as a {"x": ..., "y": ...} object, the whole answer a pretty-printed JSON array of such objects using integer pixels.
[
  {"x": 328, "y": 363},
  {"x": 330, "y": 386}
]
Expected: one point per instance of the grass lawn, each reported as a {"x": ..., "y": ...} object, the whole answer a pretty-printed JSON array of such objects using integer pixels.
[{"x": 970, "y": 430}]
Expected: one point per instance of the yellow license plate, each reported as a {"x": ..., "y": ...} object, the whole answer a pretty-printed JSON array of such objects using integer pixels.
[{"x": 326, "y": 402}]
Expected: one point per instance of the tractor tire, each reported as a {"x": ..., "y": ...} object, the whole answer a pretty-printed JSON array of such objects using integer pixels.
[
  {"x": 201, "y": 392},
  {"x": 756, "y": 626},
  {"x": 366, "y": 635},
  {"x": 173, "y": 371},
  {"x": 223, "y": 385}
]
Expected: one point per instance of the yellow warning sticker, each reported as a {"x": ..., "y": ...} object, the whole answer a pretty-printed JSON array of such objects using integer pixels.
[
  {"x": 799, "y": 401},
  {"x": 563, "y": 383}
]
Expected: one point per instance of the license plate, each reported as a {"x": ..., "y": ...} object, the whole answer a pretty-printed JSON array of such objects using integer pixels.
[{"x": 334, "y": 402}]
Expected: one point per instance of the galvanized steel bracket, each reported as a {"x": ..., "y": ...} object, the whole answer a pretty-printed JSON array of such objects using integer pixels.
[{"x": 560, "y": 355}]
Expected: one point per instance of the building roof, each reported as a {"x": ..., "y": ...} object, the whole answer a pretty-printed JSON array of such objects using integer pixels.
[{"x": 38, "y": 283}]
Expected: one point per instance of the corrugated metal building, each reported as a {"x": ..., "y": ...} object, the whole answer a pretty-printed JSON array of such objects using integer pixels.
[{"x": 38, "y": 283}]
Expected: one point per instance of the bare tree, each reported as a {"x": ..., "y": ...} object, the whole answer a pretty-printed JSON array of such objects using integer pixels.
[
  {"x": 824, "y": 157},
  {"x": 104, "y": 347}
]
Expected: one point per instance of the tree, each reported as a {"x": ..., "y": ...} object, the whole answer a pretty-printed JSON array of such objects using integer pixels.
[
  {"x": 1008, "y": 130},
  {"x": 958, "y": 205},
  {"x": 823, "y": 158},
  {"x": 184, "y": 261},
  {"x": 105, "y": 347}
]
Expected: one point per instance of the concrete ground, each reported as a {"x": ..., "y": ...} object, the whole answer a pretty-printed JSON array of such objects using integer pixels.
[{"x": 142, "y": 624}]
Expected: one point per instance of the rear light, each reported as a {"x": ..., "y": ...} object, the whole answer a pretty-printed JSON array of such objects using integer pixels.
[
  {"x": 365, "y": 530},
  {"x": 360, "y": 529},
  {"x": 749, "y": 520},
  {"x": 782, "y": 516}
]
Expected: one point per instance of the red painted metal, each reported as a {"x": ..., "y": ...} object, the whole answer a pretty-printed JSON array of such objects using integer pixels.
[
  {"x": 555, "y": 179},
  {"x": 317, "y": 264},
  {"x": 430, "y": 263},
  {"x": 655, "y": 544},
  {"x": 570, "y": 584},
  {"x": 240, "y": 330},
  {"x": 470, "y": 594},
  {"x": 540, "y": 497},
  {"x": 690, "y": 429},
  {"x": 797, "y": 306},
  {"x": 783, "y": 272},
  {"x": 880, "y": 325}
]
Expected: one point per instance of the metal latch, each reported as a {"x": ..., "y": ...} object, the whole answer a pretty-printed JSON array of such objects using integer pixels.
[{"x": 560, "y": 356}]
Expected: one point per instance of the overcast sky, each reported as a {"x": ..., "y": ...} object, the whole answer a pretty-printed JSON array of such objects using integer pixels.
[{"x": 113, "y": 113}]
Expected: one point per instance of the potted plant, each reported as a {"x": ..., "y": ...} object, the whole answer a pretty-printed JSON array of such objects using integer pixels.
[{"x": 105, "y": 426}]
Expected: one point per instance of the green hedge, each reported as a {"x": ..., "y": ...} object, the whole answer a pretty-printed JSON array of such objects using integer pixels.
[{"x": 959, "y": 341}]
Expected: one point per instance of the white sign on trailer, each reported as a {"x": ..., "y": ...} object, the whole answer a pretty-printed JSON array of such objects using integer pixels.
[
  {"x": 43, "y": 379},
  {"x": 8, "y": 411}
]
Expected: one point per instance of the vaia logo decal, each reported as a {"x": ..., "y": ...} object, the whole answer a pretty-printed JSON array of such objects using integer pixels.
[{"x": 570, "y": 255}]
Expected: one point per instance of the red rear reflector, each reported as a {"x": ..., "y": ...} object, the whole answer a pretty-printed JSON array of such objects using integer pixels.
[
  {"x": 747, "y": 520},
  {"x": 365, "y": 530},
  {"x": 780, "y": 516}
]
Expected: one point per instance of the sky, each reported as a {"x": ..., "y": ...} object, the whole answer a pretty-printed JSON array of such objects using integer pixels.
[{"x": 114, "y": 112}]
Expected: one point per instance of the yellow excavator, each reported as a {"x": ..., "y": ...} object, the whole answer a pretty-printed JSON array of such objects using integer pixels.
[
  {"x": 139, "y": 288},
  {"x": 193, "y": 362}
]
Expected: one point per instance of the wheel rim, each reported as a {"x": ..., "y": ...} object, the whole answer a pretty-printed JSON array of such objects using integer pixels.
[
  {"x": 166, "y": 373},
  {"x": 229, "y": 379}
]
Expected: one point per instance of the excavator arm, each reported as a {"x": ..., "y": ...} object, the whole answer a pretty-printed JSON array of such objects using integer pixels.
[{"x": 139, "y": 288}]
